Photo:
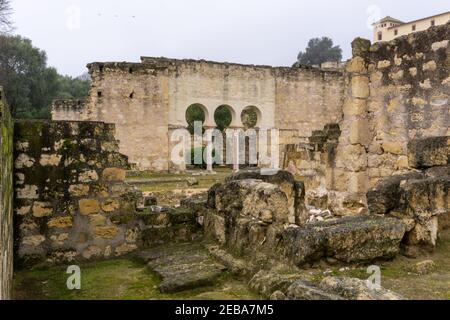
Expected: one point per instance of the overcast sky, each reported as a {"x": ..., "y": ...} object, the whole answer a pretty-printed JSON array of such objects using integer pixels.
[{"x": 76, "y": 32}]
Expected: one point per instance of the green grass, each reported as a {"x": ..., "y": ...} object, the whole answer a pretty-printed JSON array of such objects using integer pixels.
[{"x": 119, "y": 279}]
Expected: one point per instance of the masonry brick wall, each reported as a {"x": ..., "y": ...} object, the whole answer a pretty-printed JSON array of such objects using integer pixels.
[
  {"x": 147, "y": 100},
  {"x": 6, "y": 198},
  {"x": 71, "y": 201}
]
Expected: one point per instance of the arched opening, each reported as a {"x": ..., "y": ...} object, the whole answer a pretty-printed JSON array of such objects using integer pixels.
[
  {"x": 251, "y": 117},
  {"x": 223, "y": 116},
  {"x": 195, "y": 112}
]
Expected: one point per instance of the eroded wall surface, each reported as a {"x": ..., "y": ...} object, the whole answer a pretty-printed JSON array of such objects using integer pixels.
[
  {"x": 6, "y": 198},
  {"x": 148, "y": 100},
  {"x": 395, "y": 92},
  {"x": 71, "y": 201}
]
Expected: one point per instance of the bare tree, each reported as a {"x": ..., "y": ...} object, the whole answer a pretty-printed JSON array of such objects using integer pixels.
[{"x": 5, "y": 16}]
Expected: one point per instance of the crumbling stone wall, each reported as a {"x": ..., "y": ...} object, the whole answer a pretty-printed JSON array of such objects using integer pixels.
[
  {"x": 71, "y": 201},
  {"x": 314, "y": 162},
  {"x": 71, "y": 110},
  {"x": 6, "y": 198},
  {"x": 421, "y": 198},
  {"x": 397, "y": 91},
  {"x": 148, "y": 100},
  {"x": 409, "y": 97}
]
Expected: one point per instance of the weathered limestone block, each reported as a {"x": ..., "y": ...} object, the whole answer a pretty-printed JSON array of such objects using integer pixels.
[
  {"x": 79, "y": 190},
  {"x": 440, "y": 45},
  {"x": 424, "y": 234},
  {"x": 302, "y": 290},
  {"x": 50, "y": 159},
  {"x": 355, "y": 107},
  {"x": 360, "y": 132},
  {"x": 113, "y": 174},
  {"x": 360, "y": 87},
  {"x": 24, "y": 161},
  {"x": 349, "y": 239},
  {"x": 386, "y": 196},
  {"x": 27, "y": 192},
  {"x": 427, "y": 197},
  {"x": 88, "y": 176},
  {"x": 430, "y": 66},
  {"x": 356, "y": 289},
  {"x": 60, "y": 222},
  {"x": 89, "y": 206},
  {"x": 33, "y": 241},
  {"x": 394, "y": 147},
  {"x": 92, "y": 252},
  {"x": 357, "y": 65},
  {"x": 124, "y": 249},
  {"x": 429, "y": 152},
  {"x": 97, "y": 220},
  {"x": 361, "y": 47},
  {"x": 384, "y": 64},
  {"x": 110, "y": 205},
  {"x": 107, "y": 232},
  {"x": 352, "y": 158},
  {"x": 252, "y": 198},
  {"x": 42, "y": 209},
  {"x": 294, "y": 190},
  {"x": 266, "y": 282}
]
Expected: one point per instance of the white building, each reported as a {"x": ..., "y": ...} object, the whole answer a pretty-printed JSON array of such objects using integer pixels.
[{"x": 390, "y": 28}]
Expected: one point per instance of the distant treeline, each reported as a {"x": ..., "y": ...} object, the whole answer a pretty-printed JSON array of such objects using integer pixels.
[{"x": 30, "y": 85}]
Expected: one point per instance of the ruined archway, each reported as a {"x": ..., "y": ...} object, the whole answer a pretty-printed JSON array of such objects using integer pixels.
[
  {"x": 224, "y": 117},
  {"x": 251, "y": 117},
  {"x": 195, "y": 112}
]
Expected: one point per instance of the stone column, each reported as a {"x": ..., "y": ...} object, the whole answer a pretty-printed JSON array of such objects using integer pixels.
[{"x": 351, "y": 174}]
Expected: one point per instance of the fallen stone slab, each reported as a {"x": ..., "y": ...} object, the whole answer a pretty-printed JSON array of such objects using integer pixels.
[
  {"x": 349, "y": 239},
  {"x": 267, "y": 282},
  {"x": 356, "y": 289},
  {"x": 182, "y": 267},
  {"x": 303, "y": 290},
  {"x": 387, "y": 193}
]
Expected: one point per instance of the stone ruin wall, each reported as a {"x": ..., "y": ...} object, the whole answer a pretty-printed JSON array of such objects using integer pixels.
[
  {"x": 395, "y": 92},
  {"x": 68, "y": 110},
  {"x": 6, "y": 199},
  {"x": 398, "y": 91},
  {"x": 71, "y": 202},
  {"x": 148, "y": 100}
]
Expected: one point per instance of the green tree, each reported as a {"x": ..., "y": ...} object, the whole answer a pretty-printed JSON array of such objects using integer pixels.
[
  {"x": 31, "y": 85},
  {"x": 5, "y": 15},
  {"x": 320, "y": 50}
]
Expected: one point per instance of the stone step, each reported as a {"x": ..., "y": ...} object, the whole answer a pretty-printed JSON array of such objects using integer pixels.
[{"x": 182, "y": 267}]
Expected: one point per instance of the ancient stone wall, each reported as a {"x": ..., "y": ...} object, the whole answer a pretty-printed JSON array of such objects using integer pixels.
[
  {"x": 409, "y": 97},
  {"x": 147, "y": 100},
  {"x": 71, "y": 202},
  {"x": 6, "y": 198},
  {"x": 71, "y": 110},
  {"x": 397, "y": 91}
]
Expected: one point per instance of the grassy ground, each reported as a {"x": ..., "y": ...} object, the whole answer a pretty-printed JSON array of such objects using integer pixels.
[{"x": 119, "y": 279}]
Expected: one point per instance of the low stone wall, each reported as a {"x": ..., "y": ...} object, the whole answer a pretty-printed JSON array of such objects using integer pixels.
[
  {"x": 71, "y": 201},
  {"x": 6, "y": 198}
]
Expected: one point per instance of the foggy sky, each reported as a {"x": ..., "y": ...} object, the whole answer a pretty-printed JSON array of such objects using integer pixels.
[{"x": 269, "y": 32}]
